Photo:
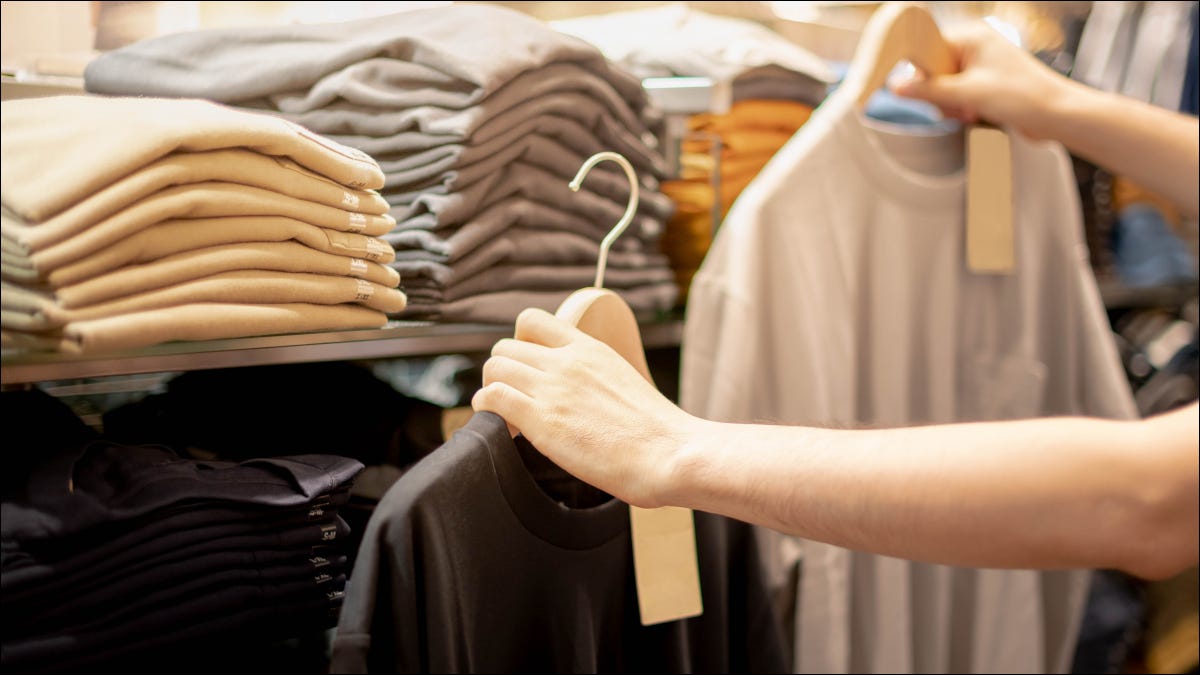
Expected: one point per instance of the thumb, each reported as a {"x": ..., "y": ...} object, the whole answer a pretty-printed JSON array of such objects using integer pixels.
[{"x": 944, "y": 91}]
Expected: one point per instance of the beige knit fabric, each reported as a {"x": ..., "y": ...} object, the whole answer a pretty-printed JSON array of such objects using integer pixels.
[
  {"x": 195, "y": 264},
  {"x": 176, "y": 236},
  {"x": 205, "y": 321},
  {"x": 199, "y": 200},
  {"x": 108, "y": 138},
  {"x": 243, "y": 167},
  {"x": 24, "y": 309}
]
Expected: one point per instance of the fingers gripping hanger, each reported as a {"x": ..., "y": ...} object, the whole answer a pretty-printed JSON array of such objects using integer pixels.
[
  {"x": 664, "y": 539},
  {"x": 896, "y": 32},
  {"x": 900, "y": 31}
]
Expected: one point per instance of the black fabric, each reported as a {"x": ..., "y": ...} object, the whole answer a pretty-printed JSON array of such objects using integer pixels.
[
  {"x": 81, "y": 598},
  {"x": 336, "y": 408},
  {"x": 106, "y": 541},
  {"x": 43, "y": 584},
  {"x": 134, "y": 593},
  {"x": 39, "y": 426},
  {"x": 223, "y": 608},
  {"x": 469, "y": 565},
  {"x": 105, "y": 482},
  {"x": 111, "y": 552}
]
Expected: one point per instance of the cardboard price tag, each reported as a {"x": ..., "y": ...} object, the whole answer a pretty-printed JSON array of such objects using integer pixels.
[
  {"x": 990, "y": 247},
  {"x": 665, "y": 564}
]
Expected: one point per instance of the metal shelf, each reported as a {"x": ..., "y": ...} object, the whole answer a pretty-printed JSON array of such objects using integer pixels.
[{"x": 397, "y": 339}]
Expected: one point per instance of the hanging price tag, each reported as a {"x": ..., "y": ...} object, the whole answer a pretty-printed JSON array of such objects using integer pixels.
[
  {"x": 990, "y": 247},
  {"x": 665, "y": 564}
]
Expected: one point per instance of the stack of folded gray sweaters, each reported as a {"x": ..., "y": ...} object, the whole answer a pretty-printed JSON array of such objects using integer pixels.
[{"x": 479, "y": 116}]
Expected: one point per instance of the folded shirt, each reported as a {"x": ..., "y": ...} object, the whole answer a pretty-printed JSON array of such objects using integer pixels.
[
  {"x": 181, "y": 235},
  {"x": 431, "y": 211},
  {"x": 201, "y": 200},
  {"x": 565, "y": 237},
  {"x": 555, "y": 89},
  {"x": 42, "y": 582},
  {"x": 107, "y": 139},
  {"x": 503, "y": 307},
  {"x": 420, "y": 267},
  {"x": 536, "y": 151},
  {"x": 516, "y": 247},
  {"x": 243, "y": 628},
  {"x": 204, "y": 262},
  {"x": 780, "y": 84},
  {"x": 206, "y": 321},
  {"x": 65, "y": 565},
  {"x": 677, "y": 40},
  {"x": 101, "y": 482},
  {"x": 27, "y": 310},
  {"x": 553, "y": 142},
  {"x": 242, "y": 167},
  {"x": 172, "y": 618},
  {"x": 761, "y": 115},
  {"x": 544, "y": 278},
  {"x": 474, "y": 49},
  {"x": 124, "y": 600}
]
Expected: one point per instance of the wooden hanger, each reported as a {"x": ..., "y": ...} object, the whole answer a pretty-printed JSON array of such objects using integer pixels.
[
  {"x": 900, "y": 31},
  {"x": 897, "y": 31},
  {"x": 605, "y": 316},
  {"x": 666, "y": 569},
  {"x": 596, "y": 310}
]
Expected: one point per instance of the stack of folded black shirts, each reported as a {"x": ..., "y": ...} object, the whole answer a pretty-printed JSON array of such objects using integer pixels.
[
  {"x": 479, "y": 117},
  {"x": 118, "y": 554}
]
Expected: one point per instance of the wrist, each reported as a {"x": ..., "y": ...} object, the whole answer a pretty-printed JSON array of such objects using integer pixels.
[
  {"x": 1057, "y": 107},
  {"x": 686, "y": 461}
]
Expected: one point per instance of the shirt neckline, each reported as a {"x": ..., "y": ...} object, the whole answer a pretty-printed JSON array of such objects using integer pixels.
[
  {"x": 557, "y": 524},
  {"x": 858, "y": 136}
]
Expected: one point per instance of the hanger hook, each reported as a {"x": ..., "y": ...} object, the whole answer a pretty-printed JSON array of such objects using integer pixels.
[{"x": 630, "y": 209}]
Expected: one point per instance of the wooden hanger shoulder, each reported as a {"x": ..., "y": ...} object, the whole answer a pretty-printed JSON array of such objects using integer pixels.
[
  {"x": 606, "y": 316},
  {"x": 897, "y": 31}
]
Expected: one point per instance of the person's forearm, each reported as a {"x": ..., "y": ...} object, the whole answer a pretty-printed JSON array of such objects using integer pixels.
[
  {"x": 1154, "y": 147},
  {"x": 1041, "y": 493}
]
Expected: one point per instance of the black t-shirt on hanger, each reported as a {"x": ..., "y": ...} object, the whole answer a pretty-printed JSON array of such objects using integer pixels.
[{"x": 469, "y": 565}]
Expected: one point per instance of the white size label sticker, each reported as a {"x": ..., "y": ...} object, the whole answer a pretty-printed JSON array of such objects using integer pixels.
[{"x": 365, "y": 291}]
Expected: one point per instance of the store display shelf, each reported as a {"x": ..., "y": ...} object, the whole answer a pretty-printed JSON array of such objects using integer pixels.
[{"x": 396, "y": 340}]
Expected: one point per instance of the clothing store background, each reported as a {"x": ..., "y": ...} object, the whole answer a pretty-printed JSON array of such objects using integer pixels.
[{"x": 446, "y": 261}]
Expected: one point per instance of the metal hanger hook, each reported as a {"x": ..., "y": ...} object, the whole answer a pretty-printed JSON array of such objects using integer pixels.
[{"x": 630, "y": 209}]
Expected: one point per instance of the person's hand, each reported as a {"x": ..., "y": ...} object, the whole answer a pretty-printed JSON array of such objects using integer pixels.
[
  {"x": 997, "y": 82},
  {"x": 585, "y": 407}
]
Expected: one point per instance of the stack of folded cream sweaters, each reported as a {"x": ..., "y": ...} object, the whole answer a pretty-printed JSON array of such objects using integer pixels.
[{"x": 129, "y": 222}]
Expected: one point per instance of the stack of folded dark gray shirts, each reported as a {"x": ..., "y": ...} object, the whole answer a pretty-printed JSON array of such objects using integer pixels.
[
  {"x": 132, "y": 221},
  {"x": 113, "y": 553},
  {"x": 479, "y": 116}
]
